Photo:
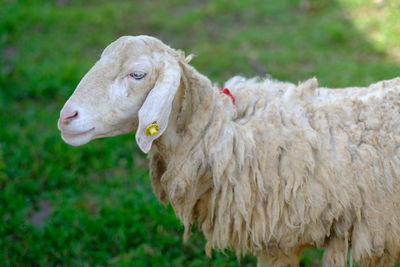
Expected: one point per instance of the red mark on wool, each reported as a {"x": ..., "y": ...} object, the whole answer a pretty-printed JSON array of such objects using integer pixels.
[{"x": 228, "y": 93}]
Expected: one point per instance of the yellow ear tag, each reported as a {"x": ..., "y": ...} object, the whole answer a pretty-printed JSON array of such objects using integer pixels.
[{"x": 152, "y": 129}]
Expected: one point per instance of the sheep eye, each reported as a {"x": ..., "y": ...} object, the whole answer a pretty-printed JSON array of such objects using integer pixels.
[{"x": 137, "y": 75}]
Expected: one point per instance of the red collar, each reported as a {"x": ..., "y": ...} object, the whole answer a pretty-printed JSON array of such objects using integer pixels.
[{"x": 228, "y": 93}]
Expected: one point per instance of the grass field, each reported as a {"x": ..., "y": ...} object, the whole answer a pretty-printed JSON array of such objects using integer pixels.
[{"x": 93, "y": 205}]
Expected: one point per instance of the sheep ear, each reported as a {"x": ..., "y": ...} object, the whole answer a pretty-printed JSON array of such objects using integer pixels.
[{"x": 158, "y": 105}]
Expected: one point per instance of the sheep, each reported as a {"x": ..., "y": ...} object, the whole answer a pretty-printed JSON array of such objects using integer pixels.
[{"x": 282, "y": 168}]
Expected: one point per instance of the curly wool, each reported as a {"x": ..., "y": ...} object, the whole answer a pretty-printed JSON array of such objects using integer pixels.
[{"x": 287, "y": 167}]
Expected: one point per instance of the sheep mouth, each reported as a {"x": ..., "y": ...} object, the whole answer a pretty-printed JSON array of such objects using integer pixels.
[
  {"x": 78, "y": 138},
  {"x": 75, "y": 134}
]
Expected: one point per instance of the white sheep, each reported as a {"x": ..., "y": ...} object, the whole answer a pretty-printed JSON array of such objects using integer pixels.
[{"x": 284, "y": 168}]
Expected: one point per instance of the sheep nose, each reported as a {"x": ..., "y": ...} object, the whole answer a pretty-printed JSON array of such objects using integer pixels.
[{"x": 68, "y": 116}]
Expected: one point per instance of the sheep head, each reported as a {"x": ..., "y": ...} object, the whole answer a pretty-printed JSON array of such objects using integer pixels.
[{"x": 131, "y": 87}]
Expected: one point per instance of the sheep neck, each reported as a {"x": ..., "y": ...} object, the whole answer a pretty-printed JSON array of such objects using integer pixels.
[
  {"x": 183, "y": 162},
  {"x": 195, "y": 96}
]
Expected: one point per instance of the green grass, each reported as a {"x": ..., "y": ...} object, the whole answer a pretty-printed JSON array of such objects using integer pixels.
[{"x": 93, "y": 205}]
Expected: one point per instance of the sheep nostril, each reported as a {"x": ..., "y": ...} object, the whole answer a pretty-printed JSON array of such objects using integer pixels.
[{"x": 69, "y": 117}]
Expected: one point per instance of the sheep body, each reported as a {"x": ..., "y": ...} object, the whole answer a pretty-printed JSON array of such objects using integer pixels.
[{"x": 288, "y": 167}]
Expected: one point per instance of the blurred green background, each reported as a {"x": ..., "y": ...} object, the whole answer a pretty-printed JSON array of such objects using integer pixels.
[{"x": 93, "y": 205}]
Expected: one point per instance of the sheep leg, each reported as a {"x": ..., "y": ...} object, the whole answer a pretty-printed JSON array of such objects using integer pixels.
[
  {"x": 278, "y": 259},
  {"x": 335, "y": 252}
]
